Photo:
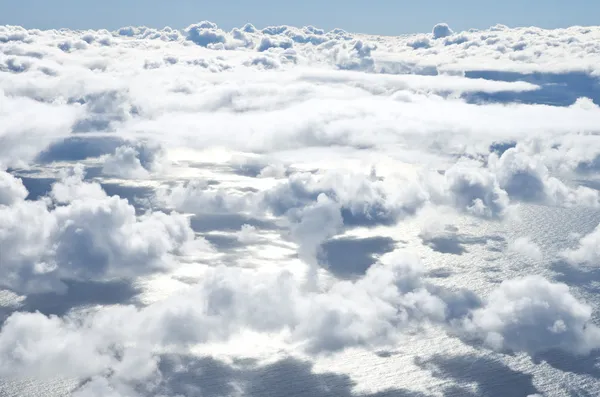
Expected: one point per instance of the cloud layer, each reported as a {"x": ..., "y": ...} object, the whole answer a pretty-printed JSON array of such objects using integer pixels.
[{"x": 219, "y": 176}]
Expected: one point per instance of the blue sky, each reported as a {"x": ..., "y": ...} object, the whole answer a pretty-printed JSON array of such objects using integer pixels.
[{"x": 375, "y": 16}]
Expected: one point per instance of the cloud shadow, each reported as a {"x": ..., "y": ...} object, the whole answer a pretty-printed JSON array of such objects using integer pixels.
[
  {"x": 584, "y": 278},
  {"x": 351, "y": 257},
  {"x": 450, "y": 242},
  {"x": 140, "y": 197},
  {"x": 492, "y": 377},
  {"x": 77, "y": 148},
  {"x": 567, "y": 362},
  {"x": 209, "y": 377},
  {"x": 224, "y": 242},
  {"x": 77, "y": 294},
  {"x": 229, "y": 222}
]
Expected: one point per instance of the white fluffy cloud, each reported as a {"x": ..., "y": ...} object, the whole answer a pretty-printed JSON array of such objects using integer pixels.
[
  {"x": 363, "y": 199},
  {"x": 526, "y": 178},
  {"x": 205, "y": 33},
  {"x": 474, "y": 190},
  {"x": 441, "y": 30},
  {"x": 136, "y": 161},
  {"x": 524, "y": 246},
  {"x": 313, "y": 224},
  {"x": 83, "y": 235},
  {"x": 530, "y": 314},
  {"x": 247, "y": 234},
  {"x": 371, "y": 311},
  {"x": 125, "y": 162},
  {"x": 534, "y": 315},
  {"x": 588, "y": 250},
  {"x": 11, "y": 189}
]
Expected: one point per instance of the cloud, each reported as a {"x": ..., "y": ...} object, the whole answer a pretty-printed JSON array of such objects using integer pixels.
[
  {"x": 198, "y": 197},
  {"x": 441, "y": 30},
  {"x": 31, "y": 125},
  {"x": 13, "y": 33},
  {"x": 363, "y": 199},
  {"x": 443, "y": 239},
  {"x": 454, "y": 39},
  {"x": 11, "y": 189},
  {"x": 31, "y": 330},
  {"x": 249, "y": 28},
  {"x": 313, "y": 225},
  {"x": 205, "y": 33},
  {"x": 534, "y": 315},
  {"x": 529, "y": 315},
  {"x": 267, "y": 43},
  {"x": 315, "y": 207},
  {"x": 524, "y": 246},
  {"x": 419, "y": 42},
  {"x": 588, "y": 250},
  {"x": 288, "y": 144},
  {"x": 472, "y": 189},
  {"x": 247, "y": 234},
  {"x": 84, "y": 235},
  {"x": 370, "y": 311},
  {"x": 124, "y": 162},
  {"x": 135, "y": 161},
  {"x": 355, "y": 56},
  {"x": 526, "y": 178},
  {"x": 143, "y": 32}
]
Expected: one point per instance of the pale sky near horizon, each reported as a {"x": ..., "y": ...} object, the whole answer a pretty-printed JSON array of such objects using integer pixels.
[{"x": 375, "y": 16}]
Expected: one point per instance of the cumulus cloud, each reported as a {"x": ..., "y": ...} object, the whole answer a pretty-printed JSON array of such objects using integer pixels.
[
  {"x": 249, "y": 28},
  {"x": 355, "y": 56},
  {"x": 268, "y": 42},
  {"x": 441, "y": 30},
  {"x": 525, "y": 177},
  {"x": 247, "y": 234},
  {"x": 198, "y": 197},
  {"x": 371, "y": 311},
  {"x": 419, "y": 42},
  {"x": 524, "y": 246},
  {"x": 472, "y": 189},
  {"x": 124, "y": 162},
  {"x": 529, "y": 314},
  {"x": 143, "y": 32},
  {"x": 313, "y": 224},
  {"x": 361, "y": 199},
  {"x": 11, "y": 189},
  {"x": 135, "y": 161},
  {"x": 84, "y": 235},
  {"x": 364, "y": 199},
  {"x": 588, "y": 250},
  {"x": 534, "y": 315},
  {"x": 315, "y": 207},
  {"x": 205, "y": 33}
]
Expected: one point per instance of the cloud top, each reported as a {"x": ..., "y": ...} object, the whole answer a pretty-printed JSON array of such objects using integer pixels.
[{"x": 295, "y": 192}]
